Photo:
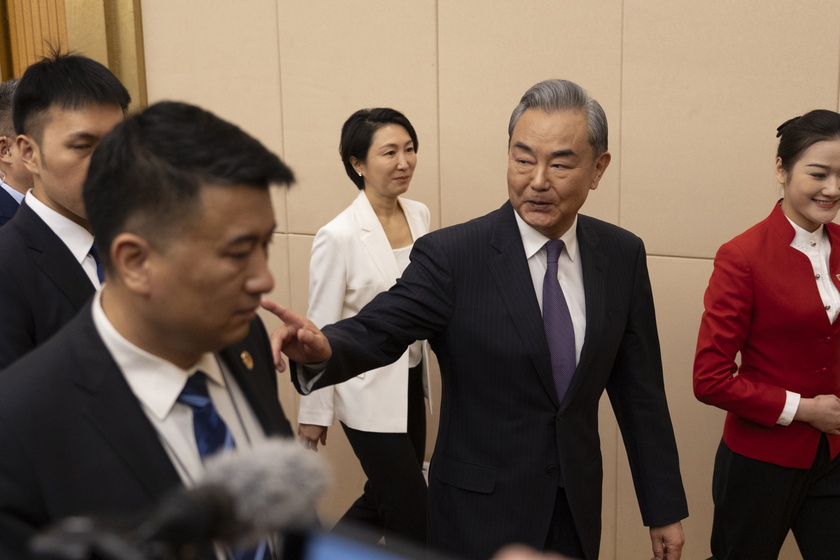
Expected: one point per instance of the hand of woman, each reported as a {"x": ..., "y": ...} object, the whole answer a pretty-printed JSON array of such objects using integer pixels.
[
  {"x": 311, "y": 434},
  {"x": 822, "y": 412}
]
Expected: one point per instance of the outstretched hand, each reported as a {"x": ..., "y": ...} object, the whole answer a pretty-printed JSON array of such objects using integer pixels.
[{"x": 297, "y": 337}]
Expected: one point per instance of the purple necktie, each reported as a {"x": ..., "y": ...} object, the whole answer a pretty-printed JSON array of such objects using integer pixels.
[{"x": 559, "y": 330}]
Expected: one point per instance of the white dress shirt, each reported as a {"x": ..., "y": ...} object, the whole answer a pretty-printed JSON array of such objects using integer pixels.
[
  {"x": 78, "y": 239},
  {"x": 8, "y": 188},
  {"x": 569, "y": 273}
]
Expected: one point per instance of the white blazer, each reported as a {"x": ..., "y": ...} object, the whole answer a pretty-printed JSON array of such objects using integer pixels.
[{"x": 351, "y": 262}]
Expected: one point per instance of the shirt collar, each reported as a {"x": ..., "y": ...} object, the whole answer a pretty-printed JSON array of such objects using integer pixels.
[
  {"x": 153, "y": 380},
  {"x": 805, "y": 239},
  {"x": 78, "y": 239},
  {"x": 533, "y": 240},
  {"x": 12, "y": 192}
]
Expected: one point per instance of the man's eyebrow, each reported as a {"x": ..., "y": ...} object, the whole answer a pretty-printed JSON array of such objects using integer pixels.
[
  {"x": 83, "y": 135},
  {"x": 251, "y": 237},
  {"x": 558, "y": 153},
  {"x": 563, "y": 153}
]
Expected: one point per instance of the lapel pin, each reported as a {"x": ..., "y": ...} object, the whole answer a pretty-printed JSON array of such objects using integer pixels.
[{"x": 247, "y": 360}]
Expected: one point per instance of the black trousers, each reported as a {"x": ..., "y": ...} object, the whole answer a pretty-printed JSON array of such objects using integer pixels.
[
  {"x": 758, "y": 503},
  {"x": 395, "y": 495}
]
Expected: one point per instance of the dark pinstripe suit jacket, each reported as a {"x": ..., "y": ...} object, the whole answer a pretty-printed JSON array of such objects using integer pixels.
[
  {"x": 504, "y": 440},
  {"x": 42, "y": 286}
]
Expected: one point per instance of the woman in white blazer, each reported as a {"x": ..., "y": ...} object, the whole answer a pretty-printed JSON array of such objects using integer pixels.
[{"x": 357, "y": 255}]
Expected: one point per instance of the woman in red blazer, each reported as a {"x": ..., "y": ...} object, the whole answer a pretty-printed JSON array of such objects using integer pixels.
[{"x": 774, "y": 297}]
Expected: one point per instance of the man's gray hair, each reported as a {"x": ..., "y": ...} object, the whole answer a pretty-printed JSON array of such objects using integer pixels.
[
  {"x": 7, "y": 91},
  {"x": 562, "y": 95}
]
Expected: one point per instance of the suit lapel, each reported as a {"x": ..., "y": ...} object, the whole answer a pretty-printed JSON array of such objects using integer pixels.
[
  {"x": 247, "y": 363},
  {"x": 594, "y": 264},
  {"x": 510, "y": 271},
  {"x": 374, "y": 240},
  {"x": 114, "y": 411},
  {"x": 54, "y": 259}
]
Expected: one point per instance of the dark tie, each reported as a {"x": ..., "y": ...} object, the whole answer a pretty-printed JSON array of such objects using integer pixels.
[
  {"x": 559, "y": 330},
  {"x": 100, "y": 272},
  {"x": 211, "y": 432},
  {"x": 212, "y": 435}
]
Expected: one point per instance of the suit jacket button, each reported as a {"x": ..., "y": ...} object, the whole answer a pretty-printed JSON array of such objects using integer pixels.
[
  {"x": 824, "y": 370},
  {"x": 551, "y": 470},
  {"x": 828, "y": 340}
]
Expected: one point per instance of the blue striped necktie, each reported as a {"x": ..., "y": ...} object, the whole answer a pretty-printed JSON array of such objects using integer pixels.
[
  {"x": 212, "y": 435},
  {"x": 100, "y": 272}
]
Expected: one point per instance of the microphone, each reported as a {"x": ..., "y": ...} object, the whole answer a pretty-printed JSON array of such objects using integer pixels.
[{"x": 243, "y": 497}]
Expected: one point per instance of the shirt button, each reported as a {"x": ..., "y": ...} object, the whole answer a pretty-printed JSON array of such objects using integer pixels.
[
  {"x": 817, "y": 276},
  {"x": 813, "y": 243},
  {"x": 827, "y": 307}
]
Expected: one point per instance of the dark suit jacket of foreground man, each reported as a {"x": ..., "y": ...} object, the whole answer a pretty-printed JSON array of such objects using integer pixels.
[
  {"x": 76, "y": 441},
  {"x": 504, "y": 439}
]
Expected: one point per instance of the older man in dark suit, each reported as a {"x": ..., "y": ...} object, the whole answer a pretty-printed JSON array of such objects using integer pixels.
[
  {"x": 169, "y": 362},
  {"x": 533, "y": 311}
]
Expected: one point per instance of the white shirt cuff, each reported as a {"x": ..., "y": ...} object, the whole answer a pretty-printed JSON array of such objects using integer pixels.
[{"x": 789, "y": 411}]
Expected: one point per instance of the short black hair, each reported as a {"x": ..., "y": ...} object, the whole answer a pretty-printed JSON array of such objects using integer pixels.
[
  {"x": 69, "y": 81},
  {"x": 800, "y": 133},
  {"x": 7, "y": 91},
  {"x": 357, "y": 136},
  {"x": 146, "y": 174}
]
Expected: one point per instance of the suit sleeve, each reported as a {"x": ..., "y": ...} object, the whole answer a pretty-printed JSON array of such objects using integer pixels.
[
  {"x": 725, "y": 326},
  {"x": 637, "y": 394},
  {"x": 417, "y": 307},
  {"x": 327, "y": 289}
]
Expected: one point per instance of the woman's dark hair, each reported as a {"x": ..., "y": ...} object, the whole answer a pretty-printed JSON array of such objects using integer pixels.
[
  {"x": 800, "y": 133},
  {"x": 357, "y": 136}
]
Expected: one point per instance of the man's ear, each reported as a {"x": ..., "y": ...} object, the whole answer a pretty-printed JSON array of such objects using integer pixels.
[
  {"x": 6, "y": 149},
  {"x": 30, "y": 153},
  {"x": 131, "y": 262},
  {"x": 601, "y": 165}
]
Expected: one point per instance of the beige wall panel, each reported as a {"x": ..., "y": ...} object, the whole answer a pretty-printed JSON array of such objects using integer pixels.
[
  {"x": 278, "y": 257},
  {"x": 705, "y": 84},
  {"x": 490, "y": 53},
  {"x": 338, "y": 57},
  {"x": 678, "y": 287},
  {"x": 221, "y": 56}
]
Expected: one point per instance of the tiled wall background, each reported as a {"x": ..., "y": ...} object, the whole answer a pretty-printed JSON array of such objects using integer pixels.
[{"x": 693, "y": 90}]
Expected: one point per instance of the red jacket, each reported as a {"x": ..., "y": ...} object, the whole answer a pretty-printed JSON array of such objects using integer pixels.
[{"x": 763, "y": 302}]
